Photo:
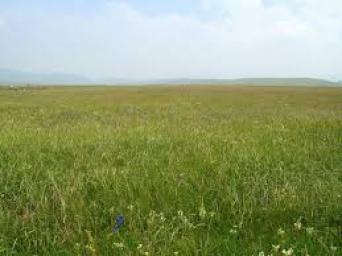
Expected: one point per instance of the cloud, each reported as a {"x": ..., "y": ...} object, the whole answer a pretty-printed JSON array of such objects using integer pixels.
[
  {"x": 293, "y": 17},
  {"x": 237, "y": 38}
]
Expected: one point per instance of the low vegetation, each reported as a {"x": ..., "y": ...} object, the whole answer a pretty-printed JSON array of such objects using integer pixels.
[{"x": 193, "y": 170}]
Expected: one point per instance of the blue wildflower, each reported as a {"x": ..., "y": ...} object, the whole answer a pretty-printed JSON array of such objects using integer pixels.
[{"x": 119, "y": 222}]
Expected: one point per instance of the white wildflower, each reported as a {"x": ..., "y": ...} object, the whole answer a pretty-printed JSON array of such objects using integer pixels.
[
  {"x": 288, "y": 252},
  {"x": 162, "y": 217},
  {"x": 298, "y": 225},
  {"x": 233, "y": 231},
  {"x": 276, "y": 248},
  {"x": 119, "y": 245},
  {"x": 212, "y": 214},
  {"x": 202, "y": 212},
  {"x": 281, "y": 232}
]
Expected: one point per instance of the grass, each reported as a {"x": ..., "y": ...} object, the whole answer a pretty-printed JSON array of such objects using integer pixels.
[{"x": 195, "y": 170}]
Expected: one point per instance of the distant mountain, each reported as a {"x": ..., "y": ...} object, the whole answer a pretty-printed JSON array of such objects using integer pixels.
[
  {"x": 10, "y": 76},
  {"x": 253, "y": 81},
  {"x": 286, "y": 81},
  {"x": 19, "y": 77}
]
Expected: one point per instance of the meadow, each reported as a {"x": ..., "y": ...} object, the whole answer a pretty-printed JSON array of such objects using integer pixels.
[{"x": 194, "y": 170}]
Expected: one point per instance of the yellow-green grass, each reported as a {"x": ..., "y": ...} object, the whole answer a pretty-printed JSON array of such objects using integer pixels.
[{"x": 195, "y": 170}]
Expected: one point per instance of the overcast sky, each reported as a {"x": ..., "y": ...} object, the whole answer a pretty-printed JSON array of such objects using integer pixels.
[{"x": 142, "y": 39}]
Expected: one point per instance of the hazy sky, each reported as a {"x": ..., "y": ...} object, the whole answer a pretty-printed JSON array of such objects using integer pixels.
[{"x": 173, "y": 38}]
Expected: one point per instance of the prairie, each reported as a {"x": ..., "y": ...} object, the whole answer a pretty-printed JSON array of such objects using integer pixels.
[{"x": 194, "y": 170}]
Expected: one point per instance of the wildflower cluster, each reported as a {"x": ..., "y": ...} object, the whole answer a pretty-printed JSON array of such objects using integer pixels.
[
  {"x": 185, "y": 220},
  {"x": 156, "y": 218},
  {"x": 284, "y": 249},
  {"x": 142, "y": 250}
]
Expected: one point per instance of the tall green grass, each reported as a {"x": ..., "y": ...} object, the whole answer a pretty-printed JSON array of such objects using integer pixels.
[{"x": 199, "y": 170}]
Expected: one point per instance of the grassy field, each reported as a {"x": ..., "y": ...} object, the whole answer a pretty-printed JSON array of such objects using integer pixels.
[{"x": 196, "y": 170}]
